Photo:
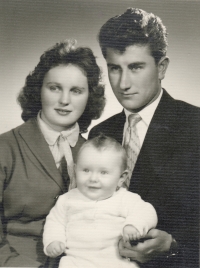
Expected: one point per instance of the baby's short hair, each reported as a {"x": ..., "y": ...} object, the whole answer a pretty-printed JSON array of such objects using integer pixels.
[{"x": 103, "y": 142}]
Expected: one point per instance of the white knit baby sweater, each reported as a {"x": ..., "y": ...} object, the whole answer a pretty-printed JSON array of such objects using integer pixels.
[{"x": 91, "y": 229}]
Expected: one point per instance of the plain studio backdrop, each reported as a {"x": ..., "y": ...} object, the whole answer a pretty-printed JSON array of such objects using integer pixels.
[{"x": 29, "y": 27}]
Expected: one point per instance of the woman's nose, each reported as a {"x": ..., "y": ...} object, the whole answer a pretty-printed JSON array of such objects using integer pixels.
[
  {"x": 125, "y": 82},
  {"x": 65, "y": 98}
]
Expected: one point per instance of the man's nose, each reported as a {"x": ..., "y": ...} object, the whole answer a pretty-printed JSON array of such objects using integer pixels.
[
  {"x": 65, "y": 97},
  {"x": 125, "y": 82}
]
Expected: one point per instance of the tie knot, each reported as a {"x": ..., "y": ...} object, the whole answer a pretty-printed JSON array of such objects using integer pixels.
[
  {"x": 61, "y": 138},
  {"x": 133, "y": 119}
]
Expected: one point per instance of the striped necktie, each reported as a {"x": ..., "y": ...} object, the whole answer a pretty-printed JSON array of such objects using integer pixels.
[
  {"x": 65, "y": 150},
  {"x": 131, "y": 145}
]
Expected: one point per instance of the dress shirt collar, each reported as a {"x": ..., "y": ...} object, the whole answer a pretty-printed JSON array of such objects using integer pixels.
[
  {"x": 148, "y": 112},
  {"x": 51, "y": 135}
]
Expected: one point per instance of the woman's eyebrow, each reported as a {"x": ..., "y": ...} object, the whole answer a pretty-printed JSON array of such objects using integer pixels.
[
  {"x": 78, "y": 87},
  {"x": 53, "y": 83}
]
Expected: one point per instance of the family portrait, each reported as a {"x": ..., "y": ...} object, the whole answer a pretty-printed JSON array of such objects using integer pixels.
[{"x": 99, "y": 134}]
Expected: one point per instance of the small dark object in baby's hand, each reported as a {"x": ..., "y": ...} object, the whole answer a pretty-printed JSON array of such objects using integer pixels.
[{"x": 141, "y": 240}]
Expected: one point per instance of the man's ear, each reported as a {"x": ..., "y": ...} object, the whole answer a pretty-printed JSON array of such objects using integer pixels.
[
  {"x": 123, "y": 178},
  {"x": 162, "y": 67}
]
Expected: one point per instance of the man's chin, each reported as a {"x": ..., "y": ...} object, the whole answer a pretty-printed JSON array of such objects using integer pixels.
[{"x": 131, "y": 108}]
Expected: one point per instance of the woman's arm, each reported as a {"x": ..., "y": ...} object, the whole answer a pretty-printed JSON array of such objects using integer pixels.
[{"x": 9, "y": 257}]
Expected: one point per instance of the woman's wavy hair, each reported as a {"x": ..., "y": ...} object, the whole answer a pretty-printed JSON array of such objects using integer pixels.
[{"x": 64, "y": 53}]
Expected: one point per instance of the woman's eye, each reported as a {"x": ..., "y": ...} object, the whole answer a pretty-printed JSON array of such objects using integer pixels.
[
  {"x": 54, "y": 88},
  {"x": 76, "y": 90}
]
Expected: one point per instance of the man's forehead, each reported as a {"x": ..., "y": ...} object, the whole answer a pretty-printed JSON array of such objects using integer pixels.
[{"x": 133, "y": 53}]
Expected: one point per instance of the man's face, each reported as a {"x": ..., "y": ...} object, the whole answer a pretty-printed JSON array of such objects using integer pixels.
[{"x": 134, "y": 76}]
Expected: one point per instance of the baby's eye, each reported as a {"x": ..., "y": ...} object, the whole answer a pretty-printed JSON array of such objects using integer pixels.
[{"x": 104, "y": 172}]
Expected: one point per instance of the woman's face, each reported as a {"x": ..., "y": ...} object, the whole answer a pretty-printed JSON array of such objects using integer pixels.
[{"x": 64, "y": 96}]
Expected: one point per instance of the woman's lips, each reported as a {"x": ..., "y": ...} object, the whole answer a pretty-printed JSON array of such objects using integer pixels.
[{"x": 62, "y": 112}]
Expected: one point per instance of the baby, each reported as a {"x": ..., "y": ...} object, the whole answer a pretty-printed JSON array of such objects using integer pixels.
[{"x": 87, "y": 222}]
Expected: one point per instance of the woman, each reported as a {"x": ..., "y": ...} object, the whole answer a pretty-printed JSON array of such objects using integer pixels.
[{"x": 59, "y": 100}]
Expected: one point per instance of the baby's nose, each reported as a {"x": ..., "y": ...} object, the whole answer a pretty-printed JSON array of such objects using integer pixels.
[{"x": 94, "y": 177}]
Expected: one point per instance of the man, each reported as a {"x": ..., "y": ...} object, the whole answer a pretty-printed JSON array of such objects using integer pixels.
[{"x": 164, "y": 149}]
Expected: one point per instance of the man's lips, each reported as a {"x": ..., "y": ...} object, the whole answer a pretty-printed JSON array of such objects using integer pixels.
[{"x": 127, "y": 94}]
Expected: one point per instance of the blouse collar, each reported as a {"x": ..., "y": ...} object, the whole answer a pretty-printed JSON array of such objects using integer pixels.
[{"x": 51, "y": 136}]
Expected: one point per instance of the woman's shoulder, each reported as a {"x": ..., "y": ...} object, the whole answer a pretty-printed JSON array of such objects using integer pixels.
[
  {"x": 9, "y": 137},
  {"x": 8, "y": 146}
]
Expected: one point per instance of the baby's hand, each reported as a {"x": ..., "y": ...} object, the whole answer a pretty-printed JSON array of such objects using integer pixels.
[
  {"x": 130, "y": 233},
  {"x": 55, "y": 249}
]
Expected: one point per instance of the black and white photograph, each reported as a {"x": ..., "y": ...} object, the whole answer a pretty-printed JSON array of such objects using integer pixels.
[{"x": 99, "y": 133}]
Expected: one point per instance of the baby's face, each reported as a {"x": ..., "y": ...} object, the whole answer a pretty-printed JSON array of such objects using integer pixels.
[{"x": 98, "y": 172}]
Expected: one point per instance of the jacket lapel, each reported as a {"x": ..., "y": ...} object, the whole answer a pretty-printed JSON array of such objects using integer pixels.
[
  {"x": 34, "y": 139},
  {"x": 118, "y": 127},
  {"x": 157, "y": 148}
]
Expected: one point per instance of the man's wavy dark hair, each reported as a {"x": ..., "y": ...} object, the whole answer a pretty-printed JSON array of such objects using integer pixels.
[
  {"x": 64, "y": 53},
  {"x": 134, "y": 27}
]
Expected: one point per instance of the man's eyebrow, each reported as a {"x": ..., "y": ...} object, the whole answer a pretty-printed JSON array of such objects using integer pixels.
[
  {"x": 112, "y": 64},
  {"x": 136, "y": 63},
  {"x": 129, "y": 65}
]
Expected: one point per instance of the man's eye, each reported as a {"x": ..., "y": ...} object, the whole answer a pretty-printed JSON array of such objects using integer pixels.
[
  {"x": 135, "y": 67},
  {"x": 114, "y": 69},
  {"x": 104, "y": 172}
]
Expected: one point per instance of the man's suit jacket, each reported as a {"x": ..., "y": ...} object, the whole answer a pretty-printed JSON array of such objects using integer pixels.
[
  {"x": 29, "y": 186},
  {"x": 166, "y": 173}
]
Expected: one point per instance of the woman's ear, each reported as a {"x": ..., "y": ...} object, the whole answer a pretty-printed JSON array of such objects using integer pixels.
[
  {"x": 162, "y": 67},
  {"x": 123, "y": 178}
]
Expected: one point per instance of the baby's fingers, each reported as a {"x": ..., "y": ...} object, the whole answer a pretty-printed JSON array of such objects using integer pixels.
[
  {"x": 62, "y": 248},
  {"x": 138, "y": 236},
  {"x": 126, "y": 238},
  {"x": 53, "y": 254},
  {"x": 56, "y": 252},
  {"x": 133, "y": 237}
]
